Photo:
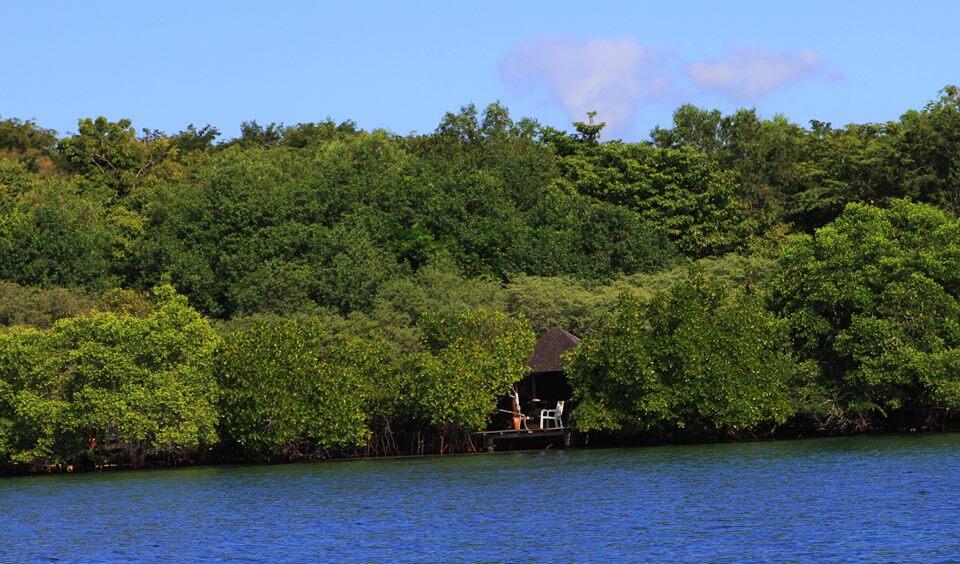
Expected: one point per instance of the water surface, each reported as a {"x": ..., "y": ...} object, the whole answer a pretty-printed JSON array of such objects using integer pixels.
[{"x": 870, "y": 498}]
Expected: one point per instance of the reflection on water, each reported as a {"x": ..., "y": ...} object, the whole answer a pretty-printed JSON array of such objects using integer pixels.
[{"x": 874, "y": 498}]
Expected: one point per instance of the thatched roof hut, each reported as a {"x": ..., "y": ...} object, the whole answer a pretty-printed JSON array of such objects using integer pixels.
[
  {"x": 545, "y": 384},
  {"x": 548, "y": 353},
  {"x": 547, "y": 380}
]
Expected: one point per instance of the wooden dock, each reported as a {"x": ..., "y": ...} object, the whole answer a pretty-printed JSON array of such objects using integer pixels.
[{"x": 490, "y": 438}]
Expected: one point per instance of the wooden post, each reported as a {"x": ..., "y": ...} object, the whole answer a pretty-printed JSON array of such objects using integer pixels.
[{"x": 567, "y": 439}]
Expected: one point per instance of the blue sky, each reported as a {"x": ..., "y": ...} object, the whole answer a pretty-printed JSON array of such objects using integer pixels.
[{"x": 401, "y": 65}]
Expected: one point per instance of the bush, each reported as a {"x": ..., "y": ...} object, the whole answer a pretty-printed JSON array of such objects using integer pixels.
[
  {"x": 698, "y": 357},
  {"x": 872, "y": 298},
  {"x": 293, "y": 389},
  {"x": 472, "y": 360},
  {"x": 108, "y": 387}
]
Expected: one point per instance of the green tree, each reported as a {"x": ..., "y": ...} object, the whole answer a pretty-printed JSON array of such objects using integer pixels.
[
  {"x": 294, "y": 389},
  {"x": 471, "y": 361},
  {"x": 305, "y": 134},
  {"x": 872, "y": 298},
  {"x": 108, "y": 387},
  {"x": 192, "y": 139},
  {"x": 14, "y": 177},
  {"x": 27, "y": 142},
  {"x": 692, "y": 127},
  {"x": 698, "y": 357},
  {"x": 40, "y": 308},
  {"x": 252, "y": 133},
  {"x": 56, "y": 235},
  {"x": 925, "y": 157},
  {"x": 580, "y": 236},
  {"x": 589, "y": 131},
  {"x": 680, "y": 190},
  {"x": 110, "y": 153}
]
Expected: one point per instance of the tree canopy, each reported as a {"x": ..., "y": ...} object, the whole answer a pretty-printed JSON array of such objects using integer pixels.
[
  {"x": 107, "y": 385},
  {"x": 872, "y": 298},
  {"x": 697, "y": 357},
  {"x": 318, "y": 289}
]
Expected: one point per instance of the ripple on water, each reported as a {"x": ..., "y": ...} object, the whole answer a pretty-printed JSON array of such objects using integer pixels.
[{"x": 872, "y": 498}]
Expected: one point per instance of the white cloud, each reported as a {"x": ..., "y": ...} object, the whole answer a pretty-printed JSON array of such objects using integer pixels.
[
  {"x": 610, "y": 76},
  {"x": 747, "y": 74}
]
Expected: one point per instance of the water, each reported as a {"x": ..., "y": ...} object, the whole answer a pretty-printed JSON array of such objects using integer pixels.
[{"x": 873, "y": 498}]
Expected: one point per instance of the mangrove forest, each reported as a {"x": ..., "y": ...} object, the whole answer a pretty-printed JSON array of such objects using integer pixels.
[{"x": 318, "y": 290}]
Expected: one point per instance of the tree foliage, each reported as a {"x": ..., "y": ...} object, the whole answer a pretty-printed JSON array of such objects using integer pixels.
[
  {"x": 872, "y": 298},
  {"x": 27, "y": 142},
  {"x": 471, "y": 361},
  {"x": 698, "y": 357},
  {"x": 807, "y": 175},
  {"x": 106, "y": 386},
  {"x": 292, "y": 387},
  {"x": 109, "y": 153},
  {"x": 54, "y": 235},
  {"x": 692, "y": 199},
  {"x": 373, "y": 284}
]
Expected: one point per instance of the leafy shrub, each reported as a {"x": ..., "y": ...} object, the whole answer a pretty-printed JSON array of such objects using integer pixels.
[
  {"x": 106, "y": 386},
  {"x": 698, "y": 357},
  {"x": 873, "y": 299},
  {"x": 292, "y": 388}
]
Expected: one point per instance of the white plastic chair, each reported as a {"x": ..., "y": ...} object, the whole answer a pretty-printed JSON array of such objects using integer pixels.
[{"x": 554, "y": 415}]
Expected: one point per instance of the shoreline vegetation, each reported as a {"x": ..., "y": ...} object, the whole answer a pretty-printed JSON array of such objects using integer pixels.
[{"x": 318, "y": 291}]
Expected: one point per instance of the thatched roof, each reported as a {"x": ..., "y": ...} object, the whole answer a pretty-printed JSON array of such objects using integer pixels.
[{"x": 547, "y": 354}]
